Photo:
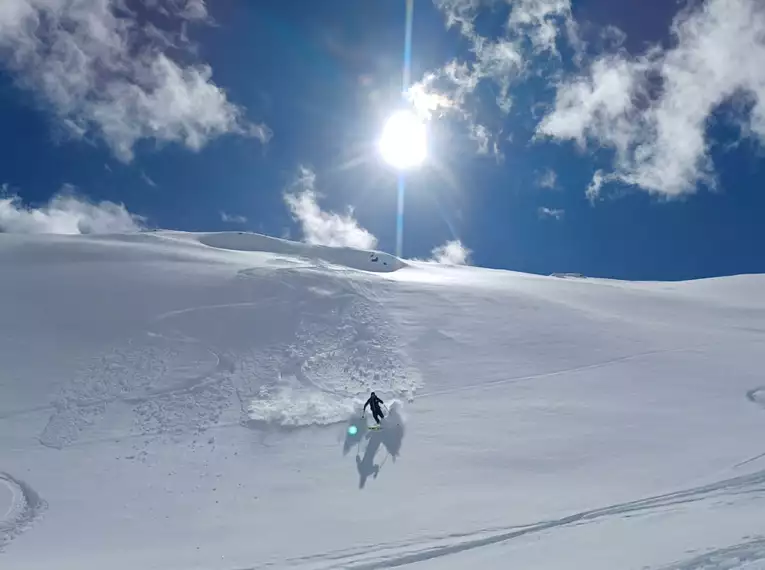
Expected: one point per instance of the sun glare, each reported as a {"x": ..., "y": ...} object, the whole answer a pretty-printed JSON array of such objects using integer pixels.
[{"x": 403, "y": 143}]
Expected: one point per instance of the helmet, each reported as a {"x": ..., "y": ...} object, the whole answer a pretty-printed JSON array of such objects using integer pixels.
[{"x": 373, "y": 395}]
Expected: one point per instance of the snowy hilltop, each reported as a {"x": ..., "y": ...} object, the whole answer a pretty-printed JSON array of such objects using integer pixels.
[{"x": 177, "y": 401}]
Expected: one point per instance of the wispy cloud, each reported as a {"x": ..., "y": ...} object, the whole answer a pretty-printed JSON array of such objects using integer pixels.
[
  {"x": 103, "y": 71},
  {"x": 451, "y": 253},
  {"x": 543, "y": 21},
  {"x": 147, "y": 179},
  {"x": 595, "y": 187},
  {"x": 450, "y": 89},
  {"x": 554, "y": 213},
  {"x": 548, "y": 180},
  {"x": 66, "y": 213},
  {"x": 320, "y": 227},
  {"x": 532, "y": 28},
  {"x": 486, "y": 141},
  {"x": 188, "y": 9},
  {"x": 538, "y": 23},
  {"x": 652, "y": 110},
  {"x": 232, "y": 219}
]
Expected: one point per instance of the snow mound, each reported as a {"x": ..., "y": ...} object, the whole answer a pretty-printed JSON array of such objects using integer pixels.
[{"x": 374, "y": 261}]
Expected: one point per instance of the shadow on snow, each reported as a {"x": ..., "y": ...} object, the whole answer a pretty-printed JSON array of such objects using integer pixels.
[{"x": 390, "y": 436}]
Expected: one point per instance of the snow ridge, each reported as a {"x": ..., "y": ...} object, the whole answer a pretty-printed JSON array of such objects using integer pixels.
[{"x": 337, "y": 257}]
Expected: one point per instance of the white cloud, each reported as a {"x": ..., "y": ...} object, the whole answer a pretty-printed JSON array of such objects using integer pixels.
[
  {"x": 653, "y": 109},
  {"x": 103, "y": 71},
  {"x": 537, "y": 21},
  {"x": 232, "y": 219},
  {"x": 188, "y": 9},
  {"x": 532, "y": 28},
  {"x": 486, "y": 141},
  {"x": 148, "y": 180},
  {"x": 461, "y": 13},
  {"x": 542, "y": 21},
  {"x": 451, "y": 88},
  {"x": 444, "y": 90},
  {"x": 66, "y": 213},
  {"x": 596, "y": 185},
  {"x": 554, "y": 213},
  {"x": 548, "y": 180},
  {"x": 451, "y": 253},
  {"x": 599, "y": 105},
  {"x": 325, "y": 228}
]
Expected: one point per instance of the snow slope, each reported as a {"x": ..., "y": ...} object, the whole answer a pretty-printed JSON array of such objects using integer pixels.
[{"x": 175, "y": 401}]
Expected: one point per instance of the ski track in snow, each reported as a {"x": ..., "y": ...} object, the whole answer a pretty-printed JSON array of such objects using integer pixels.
[
  {"x": 393, "y": 555},
  {"x": 568, "y": 370},
  {"x": 335, "y": 343},
  {"x": 155, "y": 384},
  {"x": 302, "y": 354},
  {"x": 24, "y": 508},
  {"x": 747, "y": 555}
]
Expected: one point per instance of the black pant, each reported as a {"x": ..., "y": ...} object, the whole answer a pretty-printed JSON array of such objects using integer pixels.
[{"x": 377, "y": 414}]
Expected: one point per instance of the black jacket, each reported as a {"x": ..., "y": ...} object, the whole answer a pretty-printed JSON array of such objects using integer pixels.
[{"x": 374, "y": 403}]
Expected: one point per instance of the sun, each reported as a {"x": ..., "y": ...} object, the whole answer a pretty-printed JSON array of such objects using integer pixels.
[{"x": 403, "y": 143}]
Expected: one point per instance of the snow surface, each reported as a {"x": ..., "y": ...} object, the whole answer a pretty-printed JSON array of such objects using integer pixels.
[{"x": 174, "y": 400}]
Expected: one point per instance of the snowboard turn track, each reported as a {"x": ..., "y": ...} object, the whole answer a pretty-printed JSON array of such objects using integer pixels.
[{"x": 24, "y": 507}]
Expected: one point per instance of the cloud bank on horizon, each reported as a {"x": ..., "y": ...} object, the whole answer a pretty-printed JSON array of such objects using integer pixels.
[{"x": 66, "y": 213}]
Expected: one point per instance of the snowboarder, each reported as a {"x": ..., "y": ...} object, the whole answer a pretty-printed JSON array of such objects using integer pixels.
[{"x": 374, "y": 404}]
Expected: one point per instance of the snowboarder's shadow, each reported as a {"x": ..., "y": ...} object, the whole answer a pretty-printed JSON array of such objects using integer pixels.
[{"x": 390, "y": 436}]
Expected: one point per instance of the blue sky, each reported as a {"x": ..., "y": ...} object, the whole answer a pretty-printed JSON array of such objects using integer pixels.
[{"x": 616, "y": 139}]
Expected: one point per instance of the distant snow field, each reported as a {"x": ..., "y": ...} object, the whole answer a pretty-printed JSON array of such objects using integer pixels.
[{"x": 174, "y": 400}]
